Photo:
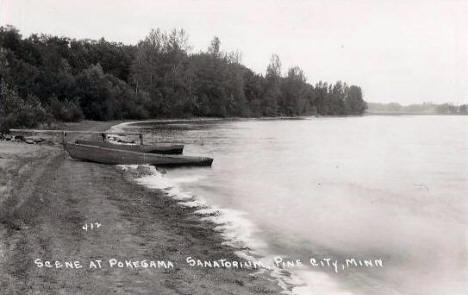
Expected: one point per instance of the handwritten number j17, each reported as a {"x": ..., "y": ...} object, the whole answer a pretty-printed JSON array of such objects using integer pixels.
[{"x": 91, "y": 226}]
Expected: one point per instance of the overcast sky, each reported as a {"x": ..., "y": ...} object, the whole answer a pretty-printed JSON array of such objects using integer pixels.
[{"x": 397, "y": 50}]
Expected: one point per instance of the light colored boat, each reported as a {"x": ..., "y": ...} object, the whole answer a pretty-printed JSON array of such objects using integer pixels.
[
  {"x": 156, "y": 148},
  {"x": 114, "y": 156}
]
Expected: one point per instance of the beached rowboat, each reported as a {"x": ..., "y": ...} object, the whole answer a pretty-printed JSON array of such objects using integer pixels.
[
  {"x": 114, "y": 156},
  {"x": 159, "y": 148}
]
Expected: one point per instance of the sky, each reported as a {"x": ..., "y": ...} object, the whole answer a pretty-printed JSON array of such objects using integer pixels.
[{"x": 405, "y": 51}]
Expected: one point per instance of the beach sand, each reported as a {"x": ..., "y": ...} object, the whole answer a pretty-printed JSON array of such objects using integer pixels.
[{"x": 46, "y": 198}]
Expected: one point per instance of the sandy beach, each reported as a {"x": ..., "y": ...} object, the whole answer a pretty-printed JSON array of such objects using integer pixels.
[{"x": 45, "y": 200}]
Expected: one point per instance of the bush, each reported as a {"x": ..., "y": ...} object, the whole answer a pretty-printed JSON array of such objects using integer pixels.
[
  {"x": 67, "y": 110},
  {"x": 16, "y": 112}
]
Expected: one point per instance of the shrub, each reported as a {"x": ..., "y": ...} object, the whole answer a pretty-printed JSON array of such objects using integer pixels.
[
  {"x": 16, "y": 112},
  {"x": 67, "y": 110}
]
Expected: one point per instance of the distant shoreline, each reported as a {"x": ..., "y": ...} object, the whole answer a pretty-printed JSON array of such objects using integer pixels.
[{"x": 408, "y": 114}]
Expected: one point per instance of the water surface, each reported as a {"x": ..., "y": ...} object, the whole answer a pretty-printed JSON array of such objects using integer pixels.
[{"x": 389, "y": 187}]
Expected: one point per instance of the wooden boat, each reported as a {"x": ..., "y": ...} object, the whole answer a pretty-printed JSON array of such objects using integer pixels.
[
  {"x": 157, "y": 148},
  {"x": 114, "y": 156}
]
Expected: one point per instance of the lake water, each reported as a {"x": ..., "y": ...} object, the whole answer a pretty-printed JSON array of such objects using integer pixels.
[{"x": 393, "y": 188}]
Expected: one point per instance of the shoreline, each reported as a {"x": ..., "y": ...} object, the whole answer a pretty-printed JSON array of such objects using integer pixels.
[{"x": 47, "y": 200}]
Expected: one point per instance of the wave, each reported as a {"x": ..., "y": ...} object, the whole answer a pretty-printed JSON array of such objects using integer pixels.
[{"x": 236, "y": 230}]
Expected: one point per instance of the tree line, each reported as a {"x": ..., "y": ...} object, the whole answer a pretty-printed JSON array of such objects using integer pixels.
[
  {"x": 424, "y": 108},
  {"x": 45, "y": 78}
]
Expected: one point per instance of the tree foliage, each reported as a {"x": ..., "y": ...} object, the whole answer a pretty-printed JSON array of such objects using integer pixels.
[
  {"x": 424, "y": 108},
  {"x": 72, "y": 79}
]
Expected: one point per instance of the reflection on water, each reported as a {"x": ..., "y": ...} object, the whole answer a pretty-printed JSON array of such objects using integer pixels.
[{"x": 367, "y": 187}]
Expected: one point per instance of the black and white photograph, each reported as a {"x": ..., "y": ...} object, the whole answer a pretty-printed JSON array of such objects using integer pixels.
[{"x": 290, "y": 147}]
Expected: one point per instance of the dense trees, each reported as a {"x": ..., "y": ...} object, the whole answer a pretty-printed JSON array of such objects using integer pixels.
[
  {"x": 69, "y": 79},
  {"x": 424, "y": 108}
]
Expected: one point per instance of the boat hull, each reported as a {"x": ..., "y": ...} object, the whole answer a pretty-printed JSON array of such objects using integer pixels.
[
  {"x": 170, "y": 149},
  {"x": 115, "y": 157}
]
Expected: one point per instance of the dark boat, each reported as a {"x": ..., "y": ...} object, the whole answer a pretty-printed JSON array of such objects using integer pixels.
[
  {"x": 116, "y": 156},
  {"x": 160, "y": 148}
]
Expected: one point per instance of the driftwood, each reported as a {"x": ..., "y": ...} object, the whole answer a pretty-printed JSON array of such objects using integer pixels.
[{"x": 65, "y": 132}]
